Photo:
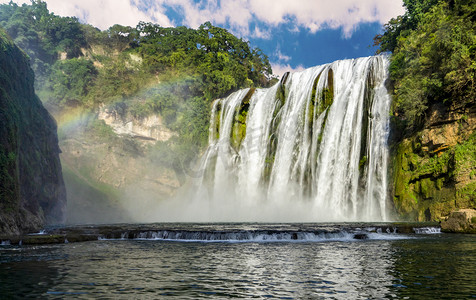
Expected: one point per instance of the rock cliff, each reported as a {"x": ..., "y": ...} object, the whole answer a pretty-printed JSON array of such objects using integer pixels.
[
  {"x": 460, "y": 221},
  {"x": 32, "y": 191},
  {"x": 110, "y": 171},
  {"x": 435, "y": 169},
  {"x": 122, "y": 122}
]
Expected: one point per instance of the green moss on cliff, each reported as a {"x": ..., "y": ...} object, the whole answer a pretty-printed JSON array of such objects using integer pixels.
[
  {"x": 217, "y": 121},
  {"x": 429, "y": 185},
  {"x": 238, "y": 131},
  {"x": 327, "y": 94},
  {"x": 281, "y": 95}
]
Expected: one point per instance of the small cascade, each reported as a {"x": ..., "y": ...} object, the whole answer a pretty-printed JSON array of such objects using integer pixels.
[
  {"x": 240, "y": 236},
  {"x": 313, "y": 147},
  {"x": 427, "y": 230}
]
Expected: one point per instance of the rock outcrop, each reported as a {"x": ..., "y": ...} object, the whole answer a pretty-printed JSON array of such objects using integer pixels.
[
  {"x": 461, "y": 221},
  {"x": 435, "y": 169},
  {"x": 32, "y": 191},
  {"x": 122, "y": 122},
  {"x": 112, "y": 180},
  {"x": 110, "y": 177}
]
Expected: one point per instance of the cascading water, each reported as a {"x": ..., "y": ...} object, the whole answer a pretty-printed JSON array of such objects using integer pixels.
[{"x": 311, "y": 148}]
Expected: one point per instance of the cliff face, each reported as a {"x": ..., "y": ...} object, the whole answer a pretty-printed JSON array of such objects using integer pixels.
[
  {"x": 150, "y": 128},
  {"x": 112, "y": 172},
  {"x": 435, "y": 169},
  {"x": 32, "y": 191},
  {"x": 113, "y": 180}
]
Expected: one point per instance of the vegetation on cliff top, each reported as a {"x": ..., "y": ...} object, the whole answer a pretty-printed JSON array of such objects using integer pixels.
[
  {"x": 175, "y": 72},
  {"x": 434, "y": 56}
]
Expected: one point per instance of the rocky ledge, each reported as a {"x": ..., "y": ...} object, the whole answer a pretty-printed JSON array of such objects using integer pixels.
[{"x": 83, "y": 233}]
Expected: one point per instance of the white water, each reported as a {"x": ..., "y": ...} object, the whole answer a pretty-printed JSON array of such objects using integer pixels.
[
  {"x": 302, "y": 162},
  {"x": 260, "y": 237},
  {"x": 427, "y": 230}
]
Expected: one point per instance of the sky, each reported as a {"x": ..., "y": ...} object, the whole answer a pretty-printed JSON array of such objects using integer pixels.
[{"x": 295, "y": 34}]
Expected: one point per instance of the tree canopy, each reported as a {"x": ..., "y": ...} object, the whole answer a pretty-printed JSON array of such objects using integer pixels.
[
  {"x": 434, "y": 56},
  {"x": 175, "y": 72}
]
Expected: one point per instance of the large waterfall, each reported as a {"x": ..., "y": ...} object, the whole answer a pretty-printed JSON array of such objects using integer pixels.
[{"x": 311, "y": 148}]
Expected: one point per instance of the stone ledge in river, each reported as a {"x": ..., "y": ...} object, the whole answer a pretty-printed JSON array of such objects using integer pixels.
[
  {"x": 461, "y": 221},
  {"x": 44, "y": 239}
]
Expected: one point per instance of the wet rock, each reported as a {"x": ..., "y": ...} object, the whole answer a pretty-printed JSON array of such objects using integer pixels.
[
  {"x": 361, "y": 236},
  {"x": 461, "y": 221}
]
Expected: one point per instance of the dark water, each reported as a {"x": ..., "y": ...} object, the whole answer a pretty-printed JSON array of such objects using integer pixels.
[{"x": 412, "y": 266}]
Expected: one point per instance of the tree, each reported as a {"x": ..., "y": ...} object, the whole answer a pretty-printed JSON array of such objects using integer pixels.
[
  {"x": 70, "y": 81},
  {"x": 433, "y": 57}
]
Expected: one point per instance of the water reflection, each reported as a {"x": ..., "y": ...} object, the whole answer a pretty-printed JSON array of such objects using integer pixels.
[
  {"x": 27, "y": 272},
  {"x": 440, "y": 266},
  {"x": 443, "y": 267}
]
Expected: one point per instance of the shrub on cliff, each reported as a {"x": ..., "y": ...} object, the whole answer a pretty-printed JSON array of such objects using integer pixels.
[{"x": 434, "y": 56}]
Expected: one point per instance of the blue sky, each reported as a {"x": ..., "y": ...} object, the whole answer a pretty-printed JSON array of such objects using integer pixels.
[{"x": 294, "y": 34}]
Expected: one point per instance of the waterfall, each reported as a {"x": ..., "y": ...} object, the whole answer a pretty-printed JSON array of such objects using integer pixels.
[{"x": 311, "y": 148}]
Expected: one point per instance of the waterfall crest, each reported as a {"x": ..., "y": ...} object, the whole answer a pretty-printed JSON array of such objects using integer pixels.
[{"x": 311, "y": 148}]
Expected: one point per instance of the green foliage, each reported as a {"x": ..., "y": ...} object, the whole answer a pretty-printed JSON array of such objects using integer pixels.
[
  {"x": 223, "y": 62},
  {"x": 120, "y": 37},
  {"x": 120, "y": 77},
  {"x": 167, "y": 98},
  {"x": 101, "y": 130},
  {"x": 41, "y": 34},
  {"x": 402, "y": 26},
  {"x": 174, "y": 72},
  {"x": 70, "y": 80},
  {"x": 362, "y": 162},
  {"x": 433, "y": 57}
]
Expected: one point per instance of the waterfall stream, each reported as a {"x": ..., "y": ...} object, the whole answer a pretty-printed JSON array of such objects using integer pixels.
[{"x": 311, "y": 148}]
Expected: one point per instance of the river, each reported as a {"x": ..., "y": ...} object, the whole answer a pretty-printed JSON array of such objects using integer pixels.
[{"x": 283, "y": 261}]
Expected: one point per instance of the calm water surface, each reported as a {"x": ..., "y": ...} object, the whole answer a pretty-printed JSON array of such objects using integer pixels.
[{"x": 429, "y": 266}]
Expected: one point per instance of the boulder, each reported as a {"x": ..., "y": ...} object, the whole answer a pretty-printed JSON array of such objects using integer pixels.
[{"x": 461, "y": 221}]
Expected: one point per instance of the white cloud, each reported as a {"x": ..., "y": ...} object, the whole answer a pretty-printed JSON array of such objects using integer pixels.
[
  {"x": 310, "y": 14},
  {"x": 261, "y": 34},
  {"x": 17, "y": 1},
  {"x": 317, "y": 14},
  {"x": 280, "y": 69},
  {"x": 237, "y": 15},
  {"x": 281, "y": 56},
  {"x": 105, "y": 13}
]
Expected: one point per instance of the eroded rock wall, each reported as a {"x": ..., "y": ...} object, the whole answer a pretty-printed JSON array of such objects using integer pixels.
[
  {"x": 435, "y": 169},
  {"x": 150, "y": 128}
]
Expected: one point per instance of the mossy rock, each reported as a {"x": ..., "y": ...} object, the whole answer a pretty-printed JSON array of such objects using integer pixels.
[
  {"x": 238, "y": 131},
  {"x": 43, "y": 239},
  {"x": 433, "y": 184}
]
